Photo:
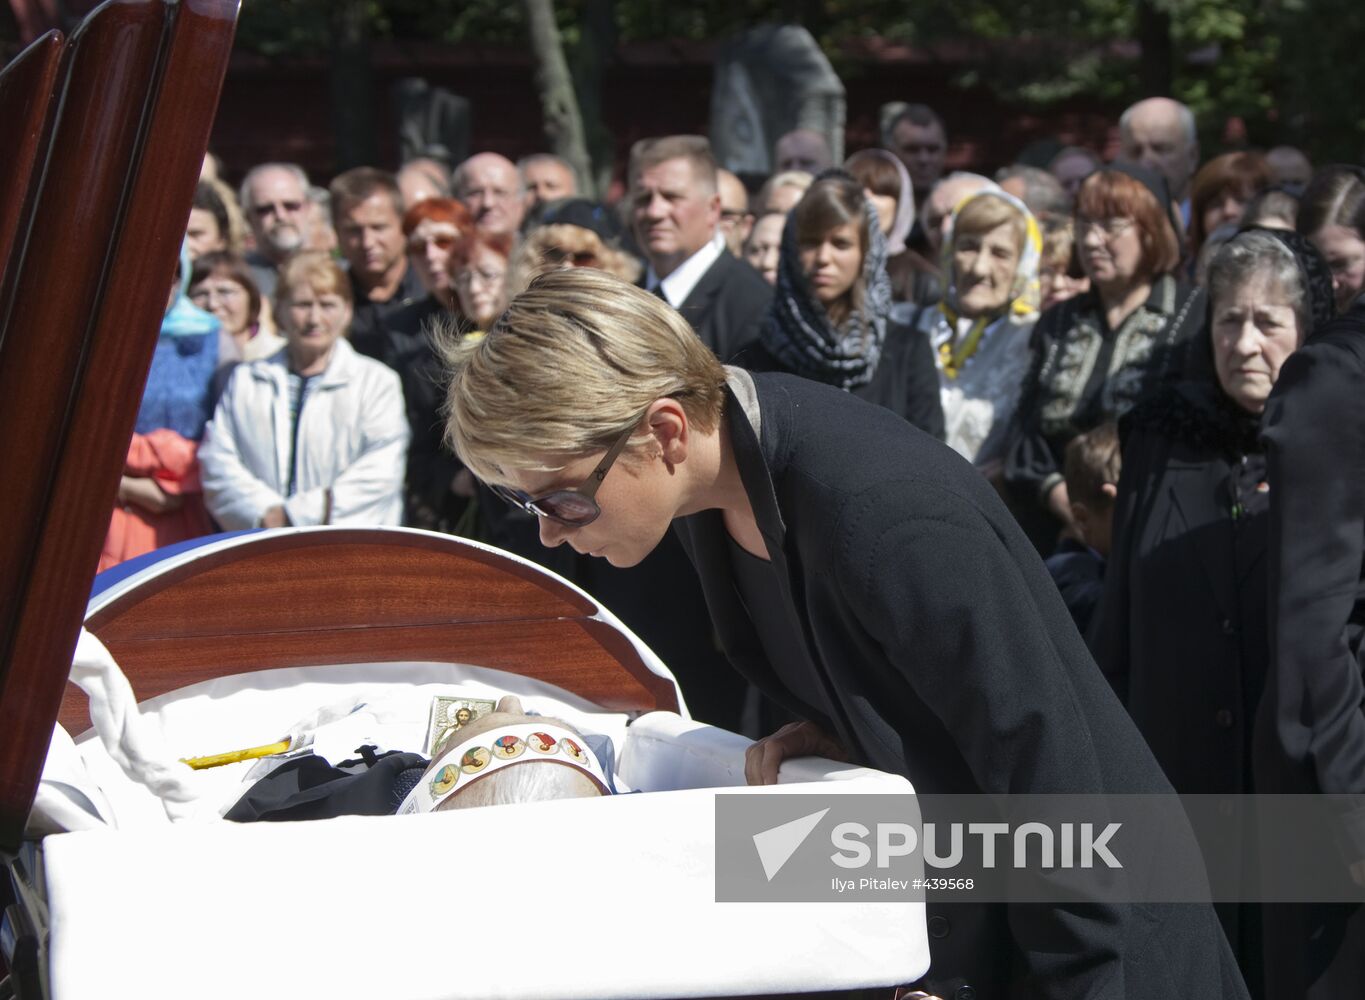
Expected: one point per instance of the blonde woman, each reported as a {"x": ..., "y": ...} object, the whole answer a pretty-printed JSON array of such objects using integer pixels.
[
  {"x": 573, "y": 233},
  {"x": 858, "y": 572}
]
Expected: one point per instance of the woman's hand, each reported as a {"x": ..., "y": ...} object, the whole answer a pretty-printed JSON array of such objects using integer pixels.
[
  {"x": 796, "y": 739},
  {"x": 144, "y": 492}
]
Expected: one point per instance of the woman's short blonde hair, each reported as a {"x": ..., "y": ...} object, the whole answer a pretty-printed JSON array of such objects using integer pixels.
[
  {"x": 317, "y": 270},
  {"x": 574, "y": 360}
]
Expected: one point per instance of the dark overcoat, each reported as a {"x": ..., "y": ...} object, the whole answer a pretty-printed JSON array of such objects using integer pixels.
[
  {"x": 1310, "y": 732},
  {"x": 1181, "y": 628},
  {"x": 943, "y": 652}
]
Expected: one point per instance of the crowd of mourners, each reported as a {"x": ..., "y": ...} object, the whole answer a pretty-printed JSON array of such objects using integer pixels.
[{"x": 1100, "y": 340}]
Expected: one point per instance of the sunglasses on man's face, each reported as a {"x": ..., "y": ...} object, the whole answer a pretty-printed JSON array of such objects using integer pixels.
[{"x": 575, "y": 507}]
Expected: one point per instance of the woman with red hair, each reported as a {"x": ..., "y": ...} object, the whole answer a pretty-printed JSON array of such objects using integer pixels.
[
  {"x": 1221, "y": 192},
  {"x": 432, "y": 227},
  {"x": 1099, "y": 354},
  {"x": 478, "y": 267}
]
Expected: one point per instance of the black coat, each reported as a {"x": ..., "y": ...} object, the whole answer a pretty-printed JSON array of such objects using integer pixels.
[
  {"x": 945, "y": 654},
  {"x": 1181, "y": 629},
  {"x": 1310, "y": 732},
  {"x": 728, "y": 306},
  {"x": 905, "y": 382}
]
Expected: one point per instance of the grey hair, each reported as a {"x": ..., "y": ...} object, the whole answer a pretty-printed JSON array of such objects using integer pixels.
[
  {"x": 523, "y": 783},
  {"x": 244, "y": 195},
  {"x": 1249, "y": 254},
  {"x": 1187, "y": 122}
]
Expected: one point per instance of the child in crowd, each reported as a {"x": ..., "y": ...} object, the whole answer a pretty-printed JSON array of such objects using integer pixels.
[{"x": 1092, "y": 474}]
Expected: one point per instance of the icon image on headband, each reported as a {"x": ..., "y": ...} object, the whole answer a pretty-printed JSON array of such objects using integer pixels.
[
  {"x": 475, "y": 760},
  {"x": 508, "y": 747},
  {"x": 445, "y": 780},
  {"x": 542, "y": 743},
  {"x": 573, "y": 751}
]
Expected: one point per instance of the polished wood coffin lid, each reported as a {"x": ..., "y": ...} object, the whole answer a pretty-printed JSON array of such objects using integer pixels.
[
  {"x": 104, "y": 137},
  {"x": 363, "y": 595}
]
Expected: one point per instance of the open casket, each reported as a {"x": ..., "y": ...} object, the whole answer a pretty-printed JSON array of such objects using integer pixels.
[{"x": 115, "y": 891}]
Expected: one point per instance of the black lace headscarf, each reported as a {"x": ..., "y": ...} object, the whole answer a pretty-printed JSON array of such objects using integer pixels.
[{"x": 799, "y": 332}]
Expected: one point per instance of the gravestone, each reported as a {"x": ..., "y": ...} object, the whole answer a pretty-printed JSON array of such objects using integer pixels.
[{"x": 768, "y": 81}]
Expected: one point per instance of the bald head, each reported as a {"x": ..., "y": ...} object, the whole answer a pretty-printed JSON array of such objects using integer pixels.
[
  {"x": 950, "y": 192},
  {"x": 421, "y": 179},
  {"x": 802, "y": 149},
  {"x": 1160, "y": 133},
  {"x": 490, "y": 187}
]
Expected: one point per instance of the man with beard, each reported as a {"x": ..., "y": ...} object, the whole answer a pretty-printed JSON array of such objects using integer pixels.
[{"x": 275, "y": 199}]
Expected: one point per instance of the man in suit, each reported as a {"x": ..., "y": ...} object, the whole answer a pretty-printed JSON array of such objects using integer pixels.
[{"x": 675, "y": 211}]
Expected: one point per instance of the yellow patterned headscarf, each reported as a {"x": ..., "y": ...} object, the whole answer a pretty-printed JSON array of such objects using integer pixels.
[{"x": 1025, "y": 292}]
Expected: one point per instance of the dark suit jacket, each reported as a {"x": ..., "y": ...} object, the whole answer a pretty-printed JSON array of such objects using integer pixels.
[
  {"x": 728, "y": 306},
  {"x": 1310, "y": 732},
  {"x": 944, "y": 653}
]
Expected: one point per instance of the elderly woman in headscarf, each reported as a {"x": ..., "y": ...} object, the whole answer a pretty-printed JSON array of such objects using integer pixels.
[
  {"x": 1181, "y": 630},
  {"x": 830, "y": 320},
  {"x": 887, "y": 183},
  {"x": 980, "y": 330},
  {"x": 160, "y": 498}
]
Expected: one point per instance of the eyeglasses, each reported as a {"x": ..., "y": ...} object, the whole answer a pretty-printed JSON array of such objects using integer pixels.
[
  {"x": 418, "y": 244},
  {"x": 277, "y": 208},
  {"x": 1107, "y": 228},
  {"x": 558, "y": 256},
  {"x": 473, "y": 276},
  {"x": 575, "y": 507},
  {"x": 207, "y": 294}
]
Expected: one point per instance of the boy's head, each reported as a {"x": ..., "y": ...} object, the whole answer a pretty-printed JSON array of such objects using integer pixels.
[{"x": 1092, "y": 468}]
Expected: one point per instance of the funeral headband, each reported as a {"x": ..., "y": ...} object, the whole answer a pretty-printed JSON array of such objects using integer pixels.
[{"x": 505, "y": 746}]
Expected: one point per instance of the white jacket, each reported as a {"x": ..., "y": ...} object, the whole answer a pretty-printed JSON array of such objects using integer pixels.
[{"x": 352, "y": 440}]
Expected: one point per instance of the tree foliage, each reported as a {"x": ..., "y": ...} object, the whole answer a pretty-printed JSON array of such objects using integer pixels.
[{"x": 1288, "y": 68}]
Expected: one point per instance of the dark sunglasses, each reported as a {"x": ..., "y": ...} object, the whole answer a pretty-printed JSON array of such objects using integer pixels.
[
  {"x": 580, "y": 258},
  {"x": 575, "y": 507}
]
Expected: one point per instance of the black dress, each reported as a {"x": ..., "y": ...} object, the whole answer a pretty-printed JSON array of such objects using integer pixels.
[
  {"x": 1084, "y": 374},
  {"x": 936, "y": 646},
  {"x": 1310, "y": 732}
]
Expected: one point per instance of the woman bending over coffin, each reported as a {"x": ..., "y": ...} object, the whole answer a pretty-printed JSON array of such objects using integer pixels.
[
  {"x": 856, "y": 570},
  {"x": 316, "y": 433}
]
